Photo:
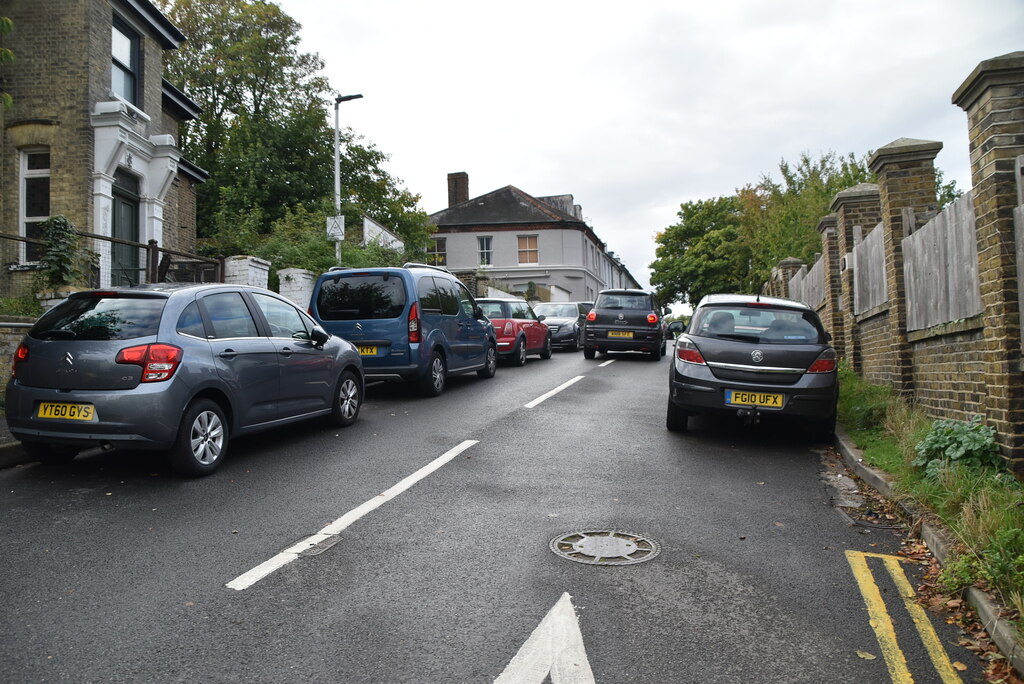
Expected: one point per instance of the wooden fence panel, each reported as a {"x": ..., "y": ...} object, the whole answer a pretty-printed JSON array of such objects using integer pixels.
[
  {"x": 808, "y": 286},
  {"x": 870, "y": 288},
  {"x": 940, "y": 266}
]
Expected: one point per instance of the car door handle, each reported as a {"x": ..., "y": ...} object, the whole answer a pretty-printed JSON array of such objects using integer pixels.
[
  {"x": 285, "y": 351},
  {"x": 228, "y": 354}
]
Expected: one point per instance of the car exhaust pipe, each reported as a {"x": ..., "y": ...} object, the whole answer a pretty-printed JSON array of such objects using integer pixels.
[
  {"x": 103, "y": 448},
  {"x": 749, "y": 416}
]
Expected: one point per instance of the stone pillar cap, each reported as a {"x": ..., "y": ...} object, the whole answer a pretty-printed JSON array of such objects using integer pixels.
[
  {"x": 827, "y": 221},
  {"x": 1007, "y": 69},
  {"x": 858, "y": 193},
  {"x": 903, "y": 149}
]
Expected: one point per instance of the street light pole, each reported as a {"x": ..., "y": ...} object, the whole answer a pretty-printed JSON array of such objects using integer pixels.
[{"x": 337, "y": 152}]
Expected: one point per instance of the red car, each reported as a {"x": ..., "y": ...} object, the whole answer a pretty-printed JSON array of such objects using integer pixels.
[{"x": 520, "y": 331}]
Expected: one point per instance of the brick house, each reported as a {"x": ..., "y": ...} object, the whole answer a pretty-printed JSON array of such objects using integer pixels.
[
  {"x": 513, "y": 239},
  {"x": 92, "y": 134}
]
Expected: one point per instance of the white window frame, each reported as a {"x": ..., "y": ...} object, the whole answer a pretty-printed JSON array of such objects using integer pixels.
[
  {"x": 437, "y": 252},
  {"x": 486, "y": 256},
  {"x": 24, "y": 175}
]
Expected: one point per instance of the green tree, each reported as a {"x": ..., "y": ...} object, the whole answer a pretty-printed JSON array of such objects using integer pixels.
[
  {"x": 780, "y": 219},
  {"x": 947, "y": 193},
  {"x": 299, "y": 240},
  {"x": 264, "y": 135},
  {"x": 702, "y": 253},
  {"x": 6, "y": 57}
]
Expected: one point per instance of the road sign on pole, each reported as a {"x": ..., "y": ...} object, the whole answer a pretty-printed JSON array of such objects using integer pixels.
[{"x": 336, "y": 228}]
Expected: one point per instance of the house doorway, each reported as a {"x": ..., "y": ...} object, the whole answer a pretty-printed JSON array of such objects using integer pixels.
[{"x": 124, "y": 261}]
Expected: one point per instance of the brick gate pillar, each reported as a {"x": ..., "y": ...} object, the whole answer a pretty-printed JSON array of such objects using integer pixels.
[
  {"x": 831, "y": 317},
  {"x": 861, "y": 206},
  {"x": 993, "y": 97},
  {"x": 906, "y": 183},
  {"x": 778, "y": 282}
]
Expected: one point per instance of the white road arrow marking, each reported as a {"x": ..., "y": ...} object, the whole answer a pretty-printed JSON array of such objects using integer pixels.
[{"x": 555, "y": 648}]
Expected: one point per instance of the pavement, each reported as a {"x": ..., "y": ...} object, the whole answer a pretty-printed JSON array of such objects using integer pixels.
[
  {"x": 1002, "y": 631},
  {"x": 11, "y": 453}
]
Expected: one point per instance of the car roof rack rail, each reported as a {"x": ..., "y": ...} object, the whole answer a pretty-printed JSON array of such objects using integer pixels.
[
  {"x": 414, "y": 264},
  {"x": 338, "y": 268}
]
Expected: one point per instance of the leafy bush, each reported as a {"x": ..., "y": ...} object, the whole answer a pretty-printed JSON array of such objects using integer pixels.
[
  {"x": 1000, "y": 564},
  {"x": 862, "y": 406},
  {"x": 20, "y": 306},
  {"x": 64, "y": 261},
  {"x": 60, "y": 256},
  {"x": 968, "y": 443}
]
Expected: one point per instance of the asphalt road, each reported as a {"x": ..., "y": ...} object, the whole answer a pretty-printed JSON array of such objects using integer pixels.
[{"x": 114, "y": 569}]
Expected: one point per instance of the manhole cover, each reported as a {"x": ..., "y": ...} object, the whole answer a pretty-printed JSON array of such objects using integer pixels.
[{"x": 605, "y": 547}]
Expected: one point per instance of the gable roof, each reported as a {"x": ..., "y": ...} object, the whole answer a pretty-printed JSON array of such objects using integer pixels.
[{"x": 505, "y": 205}]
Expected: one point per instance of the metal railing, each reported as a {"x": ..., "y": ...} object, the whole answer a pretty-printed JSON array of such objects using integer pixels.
[{"x": 160, "y": 264}]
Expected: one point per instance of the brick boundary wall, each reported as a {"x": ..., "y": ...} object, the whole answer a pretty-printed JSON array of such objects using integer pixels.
[{"x": 962, "y": 368}]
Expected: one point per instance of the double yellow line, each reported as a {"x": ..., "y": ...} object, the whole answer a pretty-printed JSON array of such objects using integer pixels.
[{"x": 881, "y": 621}]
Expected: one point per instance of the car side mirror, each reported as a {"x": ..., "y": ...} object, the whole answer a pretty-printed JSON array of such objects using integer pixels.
[
  {"x": 319, "y": 336},
  {"x": 828, "y": 337},
  {"x": 541, "y": 317},
  {"x": 478, "y": 313}
]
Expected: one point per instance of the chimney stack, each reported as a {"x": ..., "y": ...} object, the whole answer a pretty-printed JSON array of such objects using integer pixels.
[{"x": 458, "y": 188}]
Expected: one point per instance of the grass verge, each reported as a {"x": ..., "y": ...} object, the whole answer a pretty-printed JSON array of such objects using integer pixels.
[{"x": 982, "y": 506}]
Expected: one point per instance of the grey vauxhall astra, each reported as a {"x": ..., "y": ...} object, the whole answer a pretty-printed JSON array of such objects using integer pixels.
[{"x": 175, "y": 368}]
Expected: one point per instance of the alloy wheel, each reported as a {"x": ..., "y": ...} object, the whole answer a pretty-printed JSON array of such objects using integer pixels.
[{"x": 207, "y": 438}]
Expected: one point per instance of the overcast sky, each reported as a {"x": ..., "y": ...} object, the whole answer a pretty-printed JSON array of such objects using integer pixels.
[{"x": 635, "y": 108}]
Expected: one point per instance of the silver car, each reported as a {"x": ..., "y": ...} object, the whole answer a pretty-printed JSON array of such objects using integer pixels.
[{"x": 176, "y": 368}]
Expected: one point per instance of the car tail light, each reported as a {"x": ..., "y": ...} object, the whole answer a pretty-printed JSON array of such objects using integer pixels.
[
  {"x": 414, "y": 323},
  {"x": 826, "y": 362},
  {"x": 652, "y": 318},
  {"x": 20, "y": 354},
  {"x": 591, "y": 315},
  {"x": 158, "y": 361},
  {"x": 509, "y": 331},
  {"x": 687, "y": 351}
]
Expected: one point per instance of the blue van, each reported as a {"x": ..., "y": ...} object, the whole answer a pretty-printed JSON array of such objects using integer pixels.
[{"x": 417, "y": 323}]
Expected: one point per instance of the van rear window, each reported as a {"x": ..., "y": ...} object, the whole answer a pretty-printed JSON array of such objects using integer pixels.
[
  {"x": 361, "y": 297},
  {"x": 100, "y": 318}
]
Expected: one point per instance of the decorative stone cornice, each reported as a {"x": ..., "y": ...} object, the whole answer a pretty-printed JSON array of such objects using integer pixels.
[
  {"x": 904, "y": 150},
  {"x": 863, "y": 192},
  {"x": 828, "y": 222},
  {"x": 1005, "y": 70}
]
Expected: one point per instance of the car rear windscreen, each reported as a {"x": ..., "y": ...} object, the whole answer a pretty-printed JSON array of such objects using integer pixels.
[
  {"x": 361, "y": 297},
  {"x": 100, "y": 318},
  {"x": 612, "y": 300},
  {"x": 759, "y": 324}
]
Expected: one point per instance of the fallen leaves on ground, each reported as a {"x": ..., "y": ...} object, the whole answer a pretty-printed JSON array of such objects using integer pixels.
[{"x": 976, "y": 639}]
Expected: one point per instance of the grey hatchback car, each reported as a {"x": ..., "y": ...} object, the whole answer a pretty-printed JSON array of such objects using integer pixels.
[
  {"x": 176, "y": 368},
  {"x": 754, "y": 356}
]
